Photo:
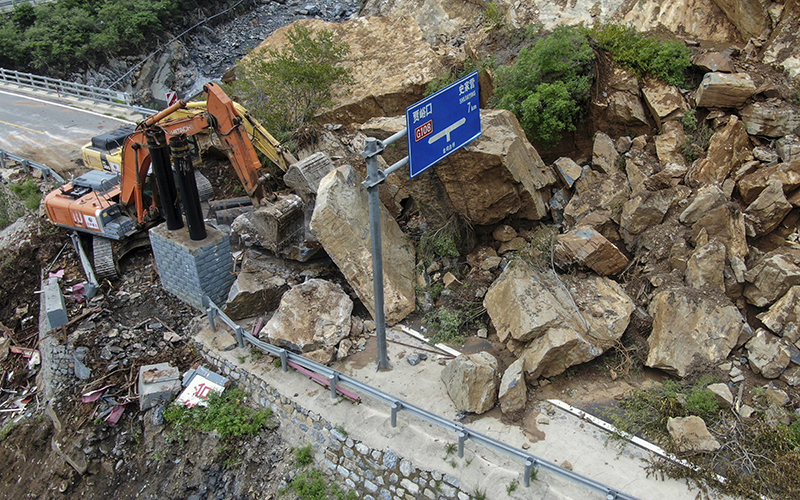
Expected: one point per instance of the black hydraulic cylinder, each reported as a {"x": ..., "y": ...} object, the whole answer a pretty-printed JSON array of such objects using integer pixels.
[
  {"x": 168, "y": 194},
  {"x": 190, "y": 198}
]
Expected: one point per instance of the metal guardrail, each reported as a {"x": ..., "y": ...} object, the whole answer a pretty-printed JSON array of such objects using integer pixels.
[
  {"x": 463, "y": 433},
  {"x": 28, "y": 164},
  {"x": 71, "y": 89}
]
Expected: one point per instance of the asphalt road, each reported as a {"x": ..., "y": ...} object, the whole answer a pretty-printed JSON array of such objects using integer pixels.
[{"x": 41, "y": 129}]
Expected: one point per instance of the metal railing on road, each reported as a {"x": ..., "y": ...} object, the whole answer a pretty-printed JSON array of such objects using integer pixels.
[
  {"x": 71, "y": 89},
  {"x": 29, "y": 164},
  {"x": 335, "y": 378}
]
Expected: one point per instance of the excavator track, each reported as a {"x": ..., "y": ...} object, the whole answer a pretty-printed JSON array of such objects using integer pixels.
[{"x": 105, "y": 263}]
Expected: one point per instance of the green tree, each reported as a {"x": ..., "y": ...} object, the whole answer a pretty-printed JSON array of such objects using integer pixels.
[
  {"x": 548, "y": 85},
  {"x": 24, "y": 15},
  {"x": 285, "y": 88}
]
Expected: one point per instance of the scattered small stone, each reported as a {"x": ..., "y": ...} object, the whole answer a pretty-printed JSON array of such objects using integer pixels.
[
  {"x": 746, "y": 411},
  {"x": 483, "y": 333},
  {"x": 413, "y": 359},
  {"x": 566, "y": 464}
]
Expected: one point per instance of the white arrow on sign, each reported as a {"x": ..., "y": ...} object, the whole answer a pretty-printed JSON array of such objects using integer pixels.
[{"x": 446, "y": 132}]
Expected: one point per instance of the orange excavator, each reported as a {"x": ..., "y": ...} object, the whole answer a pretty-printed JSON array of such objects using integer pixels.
[{"x": 115, "y": 208}]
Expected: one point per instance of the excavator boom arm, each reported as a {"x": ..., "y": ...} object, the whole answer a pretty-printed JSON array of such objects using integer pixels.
[{"x": 235, "y": 128}]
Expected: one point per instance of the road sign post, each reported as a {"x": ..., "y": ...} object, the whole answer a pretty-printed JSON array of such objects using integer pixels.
[{"x": 436, "y": 126}]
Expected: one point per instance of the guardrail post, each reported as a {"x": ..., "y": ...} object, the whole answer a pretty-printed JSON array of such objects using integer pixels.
[
  {"x": 462, "y": 437},
  {"x": 284, "y": 360},
  {"x": 529, "y": 465},
  {"x": 240, "y": 336},
  {"x": 26, "y": 167},
  {"x": 334, "y": 379},
  {"x": 211, "y": 312},
  {"x": 2, "y": 159},
  {"x": 396, "y": 406}
]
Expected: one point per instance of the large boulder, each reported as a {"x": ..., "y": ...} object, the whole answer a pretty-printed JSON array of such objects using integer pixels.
[
  {"x": 551, "y": 328},
  {"x": 665, "y": 101},
  {"x": 727, "y": 150},
  {"x": 513, "y": 393},
  {"x": 767, "y": 211},
  {"x": 524, "y": 303},
  {"x": 341, "y": 223},
  {"x": 724, "y": 90},
  {"x": 604, "y": 154},
  {"x": 313, "y": 315},
  {"x": 787, "y": 174},
  {"x": 553, "y": 353},
  {"x": 706, "y": 266},
  {"x": 648, "y": 208},
  {"x": 767, "y": 354},
  {"x": 783, "y": 318},
  {"x": 587, "y": 247},
  {"x": 388, "y": 76},
  {"x": 707, "y": 198},
  {"x": 253, "y": 294},
  {"x": 726, "y": 224},
  {"x": 692, "y": 330},
  {"x": 619, "y": 100},
  {"x": 471, "y": 381},
  {"x": 770, "y": 278},
  {"x": 498, "y": 174},
  {"x": 772, "y": 118},
  {"x": 670, "y": 143},
  {"x": 597, "y": 192}
]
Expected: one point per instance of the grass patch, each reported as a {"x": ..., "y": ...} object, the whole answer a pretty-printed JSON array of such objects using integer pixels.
[
  {"x": 442, "y": 243},
  {"x": 511, "y": 488},
  {"x": 304, "y": 455},
  {"x": 697, "y": 142},
  {"x": 225, "y": 414},
  {"x": 448, "y": 323},
  {"x": 28, "y": 192},
  {"x": 758, "y": 457},
  {"x": 313, "y": 485},
  {"x": 6, "y": 430}
]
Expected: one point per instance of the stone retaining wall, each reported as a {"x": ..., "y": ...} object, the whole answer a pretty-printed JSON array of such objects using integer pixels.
[{"x": 373, "y": 474}]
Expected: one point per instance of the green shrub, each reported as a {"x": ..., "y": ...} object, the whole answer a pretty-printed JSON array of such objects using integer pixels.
[
  {"x": 548, "y": 85},
  {"x": 285, "y": 88},
  {"x": 225, "y": 414},
  {"x": 689, "y": 120},
  {"x": 443, "y": 242},
  {"x": 644, "y": 55},
  {"x": 494, "y": 17}
]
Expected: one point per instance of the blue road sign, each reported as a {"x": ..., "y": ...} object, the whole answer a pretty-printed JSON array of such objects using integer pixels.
[{"x": 442, "y": 123}]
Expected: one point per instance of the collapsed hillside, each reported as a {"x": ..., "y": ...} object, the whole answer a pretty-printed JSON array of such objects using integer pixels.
[{"x": 677, "y": 248}]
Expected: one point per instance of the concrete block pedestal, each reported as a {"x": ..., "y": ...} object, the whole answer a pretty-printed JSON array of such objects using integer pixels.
[{"x": 190, "y": 269}]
